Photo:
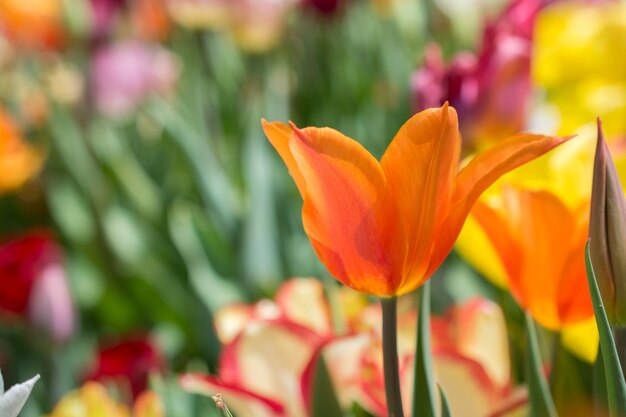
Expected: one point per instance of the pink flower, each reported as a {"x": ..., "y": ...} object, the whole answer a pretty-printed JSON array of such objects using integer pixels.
[
  {"x": 490, "y": 90},
  {"x": 271, "y": 349},
  {"x": 125, "y": 74},
  {"x": 103, "y": 15},
  {"x": 33, "y": 285}
]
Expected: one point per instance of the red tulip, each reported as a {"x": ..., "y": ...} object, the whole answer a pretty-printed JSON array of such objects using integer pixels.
[
  {"x": 129, "y": 362},
  {"x": 33, "y": 285}
]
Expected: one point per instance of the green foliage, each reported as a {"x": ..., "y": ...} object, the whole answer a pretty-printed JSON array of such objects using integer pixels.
[
  {"x": 324, "y": 400},
  {"x": 424, "y": 402},
  {"x": 615, "y": 384},
  {"x": 541, "y": 402}
]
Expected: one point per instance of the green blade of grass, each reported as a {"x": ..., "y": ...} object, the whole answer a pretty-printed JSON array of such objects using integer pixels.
[
  {"x": 541, "y": 402},
  {"x": 615, "y": 384},
  {"x": 424, "y": 404},
  {"x": 445, "y": 407}
]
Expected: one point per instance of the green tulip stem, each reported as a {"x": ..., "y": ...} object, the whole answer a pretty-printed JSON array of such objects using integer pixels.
[
  {"x": 542, "y": 404},
  {"x": 390, "y": 357}
]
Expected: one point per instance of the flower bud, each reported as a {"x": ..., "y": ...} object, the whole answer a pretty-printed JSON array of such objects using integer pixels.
[{"x": 607, "y": 231}]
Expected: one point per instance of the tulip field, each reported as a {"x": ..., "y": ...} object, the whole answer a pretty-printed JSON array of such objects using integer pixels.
[{"x": 312, "y": 208}]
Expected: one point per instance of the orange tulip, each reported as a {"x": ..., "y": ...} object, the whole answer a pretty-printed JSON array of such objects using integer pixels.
[
  {"x": 18, "y": 160},
  {"x": 384, "y": 227},
  {"x": 32, "y": 24},
  {"x": 541, "y": 242}
]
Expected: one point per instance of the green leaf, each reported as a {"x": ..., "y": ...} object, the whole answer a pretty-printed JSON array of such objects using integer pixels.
[
  {"x": 570, "y": 381},
  {"x": 445, "y": 407},
  {"x": 213, "y": 289},
  {"x": 324, "y": 402},
  {"x": 600, "y": 396},
  {"x": 424, "y": 404},
  {"x": 541, "y": 403},
  {"x": 615, "y": 384}
]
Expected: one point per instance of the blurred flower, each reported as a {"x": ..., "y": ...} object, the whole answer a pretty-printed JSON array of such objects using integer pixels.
[
  {"x": 266, "y": 364},
  {"x": 327, "y": 7},
  {"x": 384, "y": 228},
  {"x": 256, "y": 25},
  {"x": 470, "y": 360},
  {"x": 128, "y": 362},
  {"x": 125, "y": 74},
  {"x": 578, "y": 61},
  {"x": 18, "y": 160},
  {"x": 270, "y": 350},
  {"x": 491, "y": 91},
  {"x": 607, "y": 233},
  {"x": 12, "y": 401},
  {"x": 150, "y": 19},
  {"x": 148, "y": 404},
  {"x": 33, "y": 23},
  {"x": 200, "y": 14},
  {"x": 567, "y": 174},
  {"x": 540, "y": 242},
  {"x": 65, "y": 83},
  {"x": 103, "y": 15},
  {"x": 93, "y": 400},
  {"x": 33, "y": 284}
]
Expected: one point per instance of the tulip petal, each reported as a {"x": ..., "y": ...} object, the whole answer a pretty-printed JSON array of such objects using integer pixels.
[
  {"x": 478, "y": 175},
  {"x": 278, "y": 134},
  {"x": 582, "y": 339},
  {"x": 540, "y": 240},
  {"x": 231, "y": 320},
  {"x": 420, "y": 164},
  {"x": 552, "y": 269},
  {"x": 574, "y": 301},
  {"x": 303, "y": 301},
  {"x": 349, "y": 213},
  {"x": 482, "y": 336},
  {"x": 240, "y": 400},
  {"x": 490, "y": 165},
  {"x": 468, "y": 388},
  {"x": 12, "y": 401},
  {"x": 268, "y": 358},
  {"x": 498, "y": 229}
]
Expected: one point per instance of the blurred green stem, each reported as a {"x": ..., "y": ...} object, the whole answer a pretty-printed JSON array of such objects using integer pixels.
[
  {"x": 541, "y": 401},
  {"x": 424, "y": 396},
  {"x": 615, "y": 382},
  {"x": 390, "y": 357}
]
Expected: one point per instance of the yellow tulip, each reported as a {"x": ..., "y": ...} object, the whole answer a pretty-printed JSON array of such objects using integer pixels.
[{"x": 578, "y": 60}]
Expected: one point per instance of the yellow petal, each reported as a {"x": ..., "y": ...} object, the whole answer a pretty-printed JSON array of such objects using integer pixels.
[{"x": 582, "y": 339}]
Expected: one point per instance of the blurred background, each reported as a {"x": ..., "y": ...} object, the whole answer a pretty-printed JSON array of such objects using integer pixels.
[{"x": 139, "y": 193}]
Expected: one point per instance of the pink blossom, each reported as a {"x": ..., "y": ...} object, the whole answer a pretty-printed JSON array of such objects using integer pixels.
[{"x": 125, "y": 74}]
